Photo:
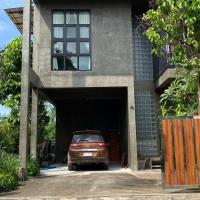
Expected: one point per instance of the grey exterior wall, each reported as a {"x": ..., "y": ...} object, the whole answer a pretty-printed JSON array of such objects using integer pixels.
[
  {"x": 111, "y": 42},
  {"x": 114, "y": 59}
]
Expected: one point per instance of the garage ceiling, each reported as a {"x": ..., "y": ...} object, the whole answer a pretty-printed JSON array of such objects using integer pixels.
[{"x": 85, "y": 93}]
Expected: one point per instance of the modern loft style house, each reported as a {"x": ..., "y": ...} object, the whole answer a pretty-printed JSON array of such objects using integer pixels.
[{"x": 93, "y": 62}]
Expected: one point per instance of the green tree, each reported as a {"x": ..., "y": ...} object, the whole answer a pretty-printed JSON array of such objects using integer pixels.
[
  {"x": 8, "y": 136},
  {"x": 177, "y": 23},
  {"x": 51, "y": 127},
  {"x": 180, "y": 98},
  {"x": 10, "y": 87}
]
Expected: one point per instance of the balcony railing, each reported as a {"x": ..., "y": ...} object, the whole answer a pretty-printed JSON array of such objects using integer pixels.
[{"x": 162, "y": 63}]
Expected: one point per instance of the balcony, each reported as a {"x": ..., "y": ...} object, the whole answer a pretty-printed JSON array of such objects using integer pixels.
[{"x": 164, "y": 70}]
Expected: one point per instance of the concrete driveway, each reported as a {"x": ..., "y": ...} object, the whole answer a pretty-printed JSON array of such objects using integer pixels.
[{"x": 90, "y": 183}]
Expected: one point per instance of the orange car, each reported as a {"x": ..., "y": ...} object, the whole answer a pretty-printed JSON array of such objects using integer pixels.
[{"x": 87, "y": 147}]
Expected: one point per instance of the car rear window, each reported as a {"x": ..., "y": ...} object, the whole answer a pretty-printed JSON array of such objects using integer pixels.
[{"x": 87, "y": 138}]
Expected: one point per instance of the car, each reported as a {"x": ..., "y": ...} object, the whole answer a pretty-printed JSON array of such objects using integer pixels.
[{"x": 88, "y": 147}]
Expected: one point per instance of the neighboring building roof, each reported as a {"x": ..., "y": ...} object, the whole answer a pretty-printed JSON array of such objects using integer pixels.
[{"x": 16, "y": 15}]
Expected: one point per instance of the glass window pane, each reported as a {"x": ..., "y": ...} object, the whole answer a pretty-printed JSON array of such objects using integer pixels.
[
  {"x": 71, "y": 47},
  {"x": 58, "y": 47},
  {"x": 58, "y": 63},
  {"x": 84, "y": 32},
  {"x": 58, "y": 32},
  {"x": 58, "y": 17},
  {"x": 84, "y": 63},
  {"x": 71, "y": 63},
  {"x": 71, "y": 18},
  {"x": 71, "y": 32},
  {"x": 84, "y": 47},
  {"x": 84, "y": 17}
]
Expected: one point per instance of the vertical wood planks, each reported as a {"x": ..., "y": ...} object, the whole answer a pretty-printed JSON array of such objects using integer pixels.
[
  {"x": 179, "y": 152},
  {"x": 190, "y": 156},
  {"x": 168, "y": 152},
  {"x": 197, "y": 141},
  {"x": 181, "y": 139}
]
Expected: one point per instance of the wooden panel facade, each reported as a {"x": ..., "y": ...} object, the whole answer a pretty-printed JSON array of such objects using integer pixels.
[{"x": 181, "y": 142}]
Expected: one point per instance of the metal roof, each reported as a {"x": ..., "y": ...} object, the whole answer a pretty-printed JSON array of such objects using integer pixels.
[{"x": 16, "y": 15}]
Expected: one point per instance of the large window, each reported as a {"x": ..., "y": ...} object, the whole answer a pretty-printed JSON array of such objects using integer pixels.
[{"x": 71, "y": 41}]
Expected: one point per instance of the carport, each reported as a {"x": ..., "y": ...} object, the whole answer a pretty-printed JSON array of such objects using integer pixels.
[{"x": 102, "y": 109}]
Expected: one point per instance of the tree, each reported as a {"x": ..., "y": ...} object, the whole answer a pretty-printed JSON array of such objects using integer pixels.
[
  {"x": 9, "y": 137},
  {"x": 51, "y": 127},
  {"x": 176, "y": 23},
  {"x": 10, "y": 86},
  {"x": 180, "y": 98}
]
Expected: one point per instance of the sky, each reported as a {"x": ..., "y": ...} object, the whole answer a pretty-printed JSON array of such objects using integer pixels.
[{"x": 7, "y": 31}]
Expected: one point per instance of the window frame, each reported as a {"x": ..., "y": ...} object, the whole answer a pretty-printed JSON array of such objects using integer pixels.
[{"x": 77, "y": 40}]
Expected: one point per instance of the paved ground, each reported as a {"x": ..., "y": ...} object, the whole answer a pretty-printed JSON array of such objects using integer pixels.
[{"x": 95, "y": 184}]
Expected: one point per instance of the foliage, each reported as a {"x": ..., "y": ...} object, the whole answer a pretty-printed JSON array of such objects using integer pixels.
[
  {"x": 9, "y": 163},
  {"x": 51, "y": 127},
  {"x": 33, "y": 167},
  {"x": 177, "y": 23},
  {"x": 9, "y": 167},
  {"x": 7, "y": 181},
  {"x": 10, "y": 88},
  {"x": 10, "y": 78},
  {"x": 43, "y": 120},
  {"x": 180, "y": 98},
  {"x": 9, "y": 137}
]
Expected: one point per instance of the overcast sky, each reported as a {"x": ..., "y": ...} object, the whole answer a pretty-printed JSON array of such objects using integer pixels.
[{"x": 7, "y": 30}]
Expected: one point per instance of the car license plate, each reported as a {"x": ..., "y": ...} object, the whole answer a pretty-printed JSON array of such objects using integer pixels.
[{"x": 87, "y": 154}]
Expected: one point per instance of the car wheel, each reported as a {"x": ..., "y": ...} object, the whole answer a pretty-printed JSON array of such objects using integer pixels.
[
  {"x": 106, "y": 166},
  {"x": 70, "y": 165}
]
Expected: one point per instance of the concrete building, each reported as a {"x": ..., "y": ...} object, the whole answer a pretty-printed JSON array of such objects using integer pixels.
[{"x": 93, "y": 62}]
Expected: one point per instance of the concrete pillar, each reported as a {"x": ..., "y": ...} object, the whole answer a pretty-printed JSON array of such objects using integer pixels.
[
  {"x": 25, "y": 85},
  {"x": 132, "y": 143},
  {"x": 34, "y": 123}
]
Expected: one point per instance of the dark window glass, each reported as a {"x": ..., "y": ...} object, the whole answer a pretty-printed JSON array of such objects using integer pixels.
[
  {"x": 71, "y": 63},
  {"x": 84, "y": 32},
  {"x": 71, "y": 32},
  {"x": 84, "y": 63},
  {"x": 58, "y": 17},
  {"x": 84, "y": 18},
  {"x": 58, "y": 47},
  {"x": 58, "y": 63},
  {"x": 84, "y": 47},
  {"x": 71, "y": 47},
  {"x": 58, "y": 32},
  {"x": 71, "y": 18},
  {"x": 71, "y": 40}
]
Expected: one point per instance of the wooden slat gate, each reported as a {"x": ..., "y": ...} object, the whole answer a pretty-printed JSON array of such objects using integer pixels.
[{"x": 181, "y": 151}]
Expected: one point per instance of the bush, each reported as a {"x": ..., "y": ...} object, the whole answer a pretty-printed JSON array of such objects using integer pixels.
[
  {"x": 8, "y": 182},
  {"x": 9, "y": 163},
  {"x": 9, "y": 167},
  {"x": 33, "y": 167}
]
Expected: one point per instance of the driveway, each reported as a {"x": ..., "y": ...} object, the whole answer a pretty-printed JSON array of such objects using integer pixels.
[{"x": 92, "y": 184}]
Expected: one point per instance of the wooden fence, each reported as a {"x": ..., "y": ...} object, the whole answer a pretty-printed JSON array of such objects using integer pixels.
[{"x": 181, "y": 151}]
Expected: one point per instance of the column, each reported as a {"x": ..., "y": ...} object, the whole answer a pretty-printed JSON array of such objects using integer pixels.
[
  {"x": 34, "y": 123},
  {"x": 25, "y": 85},
  {"x": 132, "y": 142}
]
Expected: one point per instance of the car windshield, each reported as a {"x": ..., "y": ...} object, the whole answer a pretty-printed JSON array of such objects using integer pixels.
[{"x": 88, "y": 137}]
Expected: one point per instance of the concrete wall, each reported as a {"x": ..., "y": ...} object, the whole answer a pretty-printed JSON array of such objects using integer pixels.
[{"x": 111, "y": 45}]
